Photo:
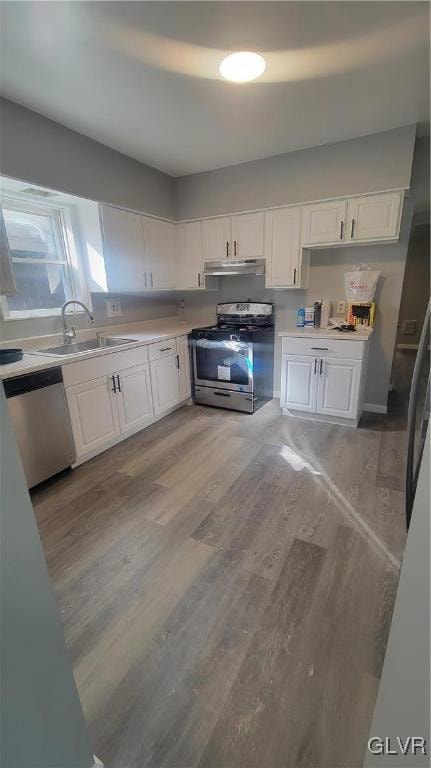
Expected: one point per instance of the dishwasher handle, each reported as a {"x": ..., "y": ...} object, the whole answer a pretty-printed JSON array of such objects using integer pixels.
[{"x": 28, "y": 382}]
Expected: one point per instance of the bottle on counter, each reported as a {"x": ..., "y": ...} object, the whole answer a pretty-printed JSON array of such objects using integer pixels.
[
  {"x": 317, "y": 312},
  {"x": 325, "y": 313},
  {"x": 300, "y": 317},
  {"x": 309, "y": 317}
]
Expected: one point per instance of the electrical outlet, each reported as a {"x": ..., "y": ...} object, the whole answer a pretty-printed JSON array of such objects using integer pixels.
[
  {"x": 182, "y": 304},
  {"x": 341, "y": 307},
  {"x": 113, "y": 308}
]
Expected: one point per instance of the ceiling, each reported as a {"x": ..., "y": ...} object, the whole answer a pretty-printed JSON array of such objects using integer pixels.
[{"x": 142, "y": 77}]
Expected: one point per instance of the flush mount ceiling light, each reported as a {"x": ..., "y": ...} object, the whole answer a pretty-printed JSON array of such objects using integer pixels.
[{"x": 242, "y": 67}]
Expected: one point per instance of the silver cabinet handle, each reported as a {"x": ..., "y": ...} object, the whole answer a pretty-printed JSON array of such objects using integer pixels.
[
  {"x": 235, "y": 247},
  {"x": 114, "y": 388},
  {"x": 165, "y": 349},
  {"x": 321, "y": 366},
  {"x": 320, "y": 349},
  {"x": 294, "y": 276},
  {"x": 199, "y": 279},
  {"x": 352, "y": 231},
  {"x": 341, "y": 229},
  {"x": 151, "y": 277},
  {"x": 177, "y": 361},
  {"x": 315, "y": 365},
  {"x": 227, "y": 248},
  {"x": 118, "y": 382}
]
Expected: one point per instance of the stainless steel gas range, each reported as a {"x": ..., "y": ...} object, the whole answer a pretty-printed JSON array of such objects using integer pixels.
[{"x": 233, "y": 360}]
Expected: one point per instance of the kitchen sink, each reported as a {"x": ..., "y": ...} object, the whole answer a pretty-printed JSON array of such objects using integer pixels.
[{"x": 75, "y": 347}]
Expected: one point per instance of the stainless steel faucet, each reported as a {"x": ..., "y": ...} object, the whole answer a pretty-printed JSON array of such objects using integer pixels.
[{"x": 68, "y": 335}]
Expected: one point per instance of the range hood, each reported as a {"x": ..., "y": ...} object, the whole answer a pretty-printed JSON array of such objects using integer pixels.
[{"x": 235, "y": 267}]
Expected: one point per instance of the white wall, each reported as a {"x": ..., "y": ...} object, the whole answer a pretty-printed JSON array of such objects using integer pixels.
[
  {"x": 403, "y": 701},
  {"x": 135, "y": 308},
  {"x": 41, "y": 717},
  {"x": 367, "y": 164},
  {"x": 416, "y": 288},
  {"x": 38, "y": 150}
]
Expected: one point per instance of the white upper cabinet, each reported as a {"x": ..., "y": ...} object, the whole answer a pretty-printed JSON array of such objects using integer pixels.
[
  {"x": 123, "y": 249},
  {"x": 374, "y": 217},
  {"x": 217, "y": 238},
  {"x": 159, "y": 252},
  {"x": 247, "y": 236},
  {"x": 189, "y": 255},
  {"x": 324, "y": 223},
  {"x": 283, "y": 250}
]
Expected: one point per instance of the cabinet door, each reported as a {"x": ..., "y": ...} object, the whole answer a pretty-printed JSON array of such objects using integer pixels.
[
  {"x": 299, "y": 383},
  {"x": 135, "y": 403},
  {"x": 159, "y": 252},
  {"x": 338, "y": 387},
  {"x": 283, "y": 251},
  {"x": 189, "y": 255},
  {"x": 324, "y": 222},
  {"x": 165, "y": 383},
  {"x": 217, "y": 236},
  {"x": 374, "y": 216},
  {"x": 247, "y": 235},
  {"x": 93, "y": 414},
  {"x": 184, "y": 369},
  {"x": 123, "y": 249}
]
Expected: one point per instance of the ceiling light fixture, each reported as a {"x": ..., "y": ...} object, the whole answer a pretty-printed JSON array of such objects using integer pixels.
[{"x": 242, "y": 67}]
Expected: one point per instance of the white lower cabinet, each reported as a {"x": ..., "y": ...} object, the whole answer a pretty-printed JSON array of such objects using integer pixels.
[
  {"x": 101, "y": 410},
  {"x": 298, "y": 383},
  {"x": 135, "y": 404},
  {"x": 184, "y": 368},
  {"x": 93, "y": 414},
  {"x": 125, "y": 399},
  {"x": 338, "y": 387},
  {"x": 323, "y": 386},
  {"x": 165, "y": 383}
]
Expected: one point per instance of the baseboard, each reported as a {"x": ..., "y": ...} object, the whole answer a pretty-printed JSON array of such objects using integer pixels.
[
  {"x": 375, "y": 408},
  {"x": 276, "y": 393}
]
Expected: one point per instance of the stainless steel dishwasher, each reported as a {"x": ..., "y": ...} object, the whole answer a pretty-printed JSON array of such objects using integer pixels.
[{"x": 40, "y": 418}]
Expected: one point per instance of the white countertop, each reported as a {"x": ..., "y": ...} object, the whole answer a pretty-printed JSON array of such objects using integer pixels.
[
  {"x": 325, "y": 333},
  {"x": 142, "y": 333}
]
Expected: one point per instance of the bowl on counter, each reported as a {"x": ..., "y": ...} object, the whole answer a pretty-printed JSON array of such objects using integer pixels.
[{"x": 10, "y": 356}]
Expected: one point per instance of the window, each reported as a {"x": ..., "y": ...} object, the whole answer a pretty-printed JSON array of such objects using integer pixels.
[{"x": 43, "y": 258}]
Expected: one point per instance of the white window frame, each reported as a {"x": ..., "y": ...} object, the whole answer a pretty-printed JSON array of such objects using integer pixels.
[{"x": 77, "y": 283}]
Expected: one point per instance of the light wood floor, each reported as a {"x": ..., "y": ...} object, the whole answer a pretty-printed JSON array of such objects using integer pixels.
[{"x": 226, "y": 584}]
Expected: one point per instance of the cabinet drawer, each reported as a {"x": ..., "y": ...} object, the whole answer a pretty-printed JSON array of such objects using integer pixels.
[
  {"x": 103, "y": 365},
  {"x": 353, "y": 350},
  {"x": 162, "y": 349}
]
